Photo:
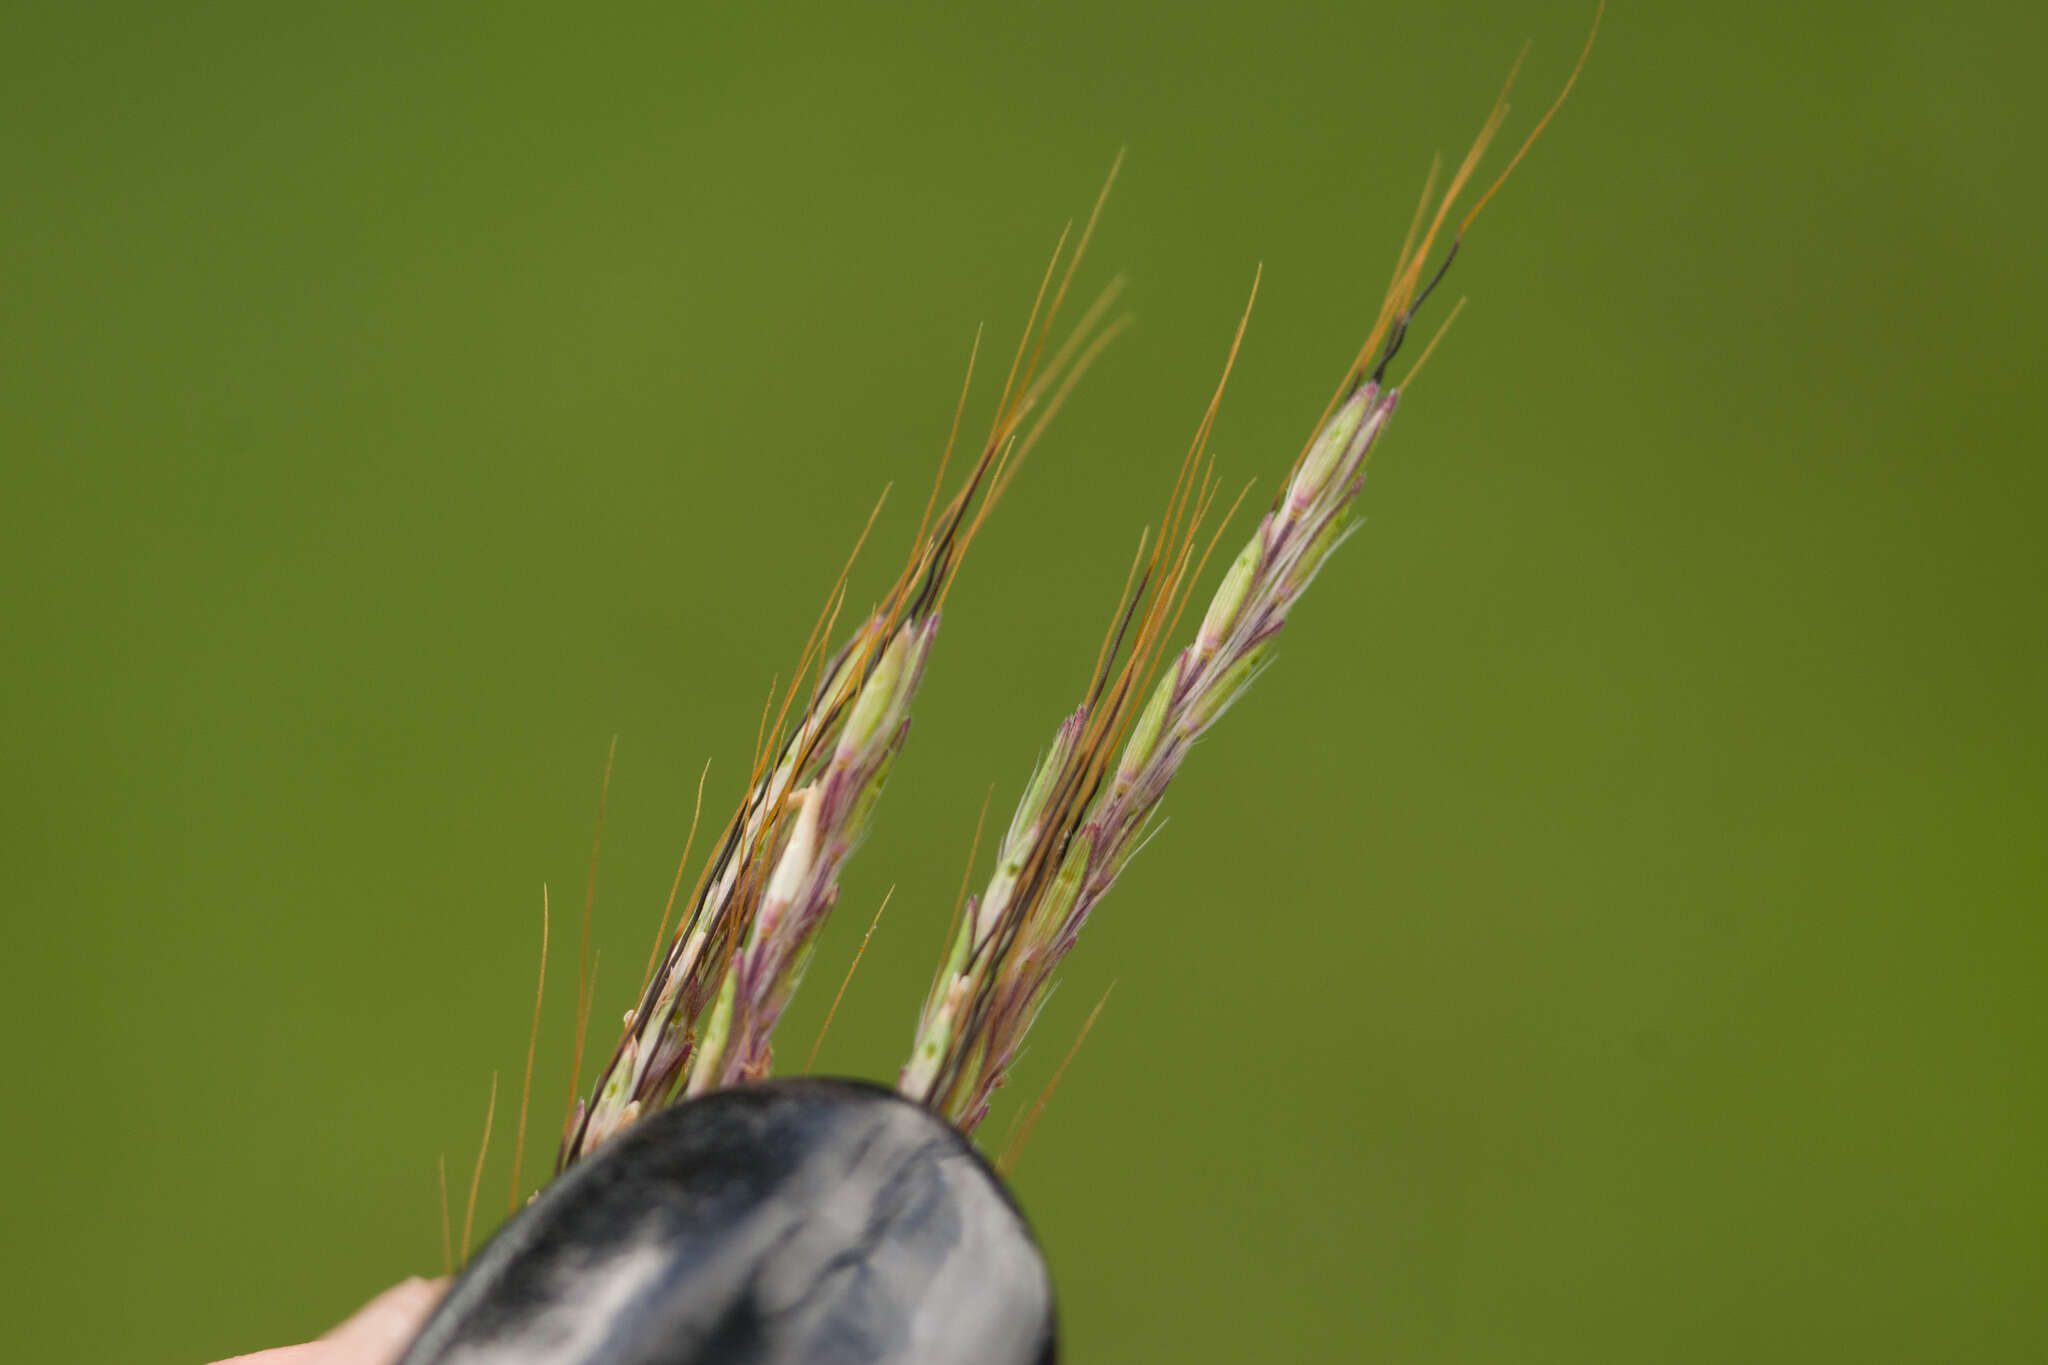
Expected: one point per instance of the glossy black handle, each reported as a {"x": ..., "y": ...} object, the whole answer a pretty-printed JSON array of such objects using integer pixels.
[{"x": 795, "y": 1222}]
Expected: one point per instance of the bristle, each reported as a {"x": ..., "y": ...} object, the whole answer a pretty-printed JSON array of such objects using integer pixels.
[
  {"x": 1119, "y": 620},
  {"x": 1058, "y": 371},
  {"x": 583, "y": 985},
  {"x": 682, "y": 864},
  {"x": 1436, "y": 168},
  {"x": 821, "y": 629},
  {"x": 1013, "y": 1151},
  {"x": 532, "y": 1042},
  {"x": 1074, "y": 264},
  {"x": 1427, "y": 351},
  {"x": 847, "y": 980},
  {"x": 476, "y": 1177},
  {"x": 946, "y": 454},
  {"x": 1080, "y": 367},
  {"x": 447, "y": 1242},
  {"x": 1599, "y": 11},
  {"x": 757, "y": 765},
  {"x": 1208, "y": 422},
  {"x": 1024, "y": 339}
]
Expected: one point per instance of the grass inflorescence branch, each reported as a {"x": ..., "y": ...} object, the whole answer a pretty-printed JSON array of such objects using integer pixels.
[
  {"x": 708, "y": 1010},
  {"x": 1088, "y": 807}
]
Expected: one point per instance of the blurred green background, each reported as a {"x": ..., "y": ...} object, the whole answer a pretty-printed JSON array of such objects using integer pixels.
[{"x": 1613, "y": 932}]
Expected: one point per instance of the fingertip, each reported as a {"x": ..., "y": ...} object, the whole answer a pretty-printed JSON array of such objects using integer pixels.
[{"x": 379, "y": 1330}]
